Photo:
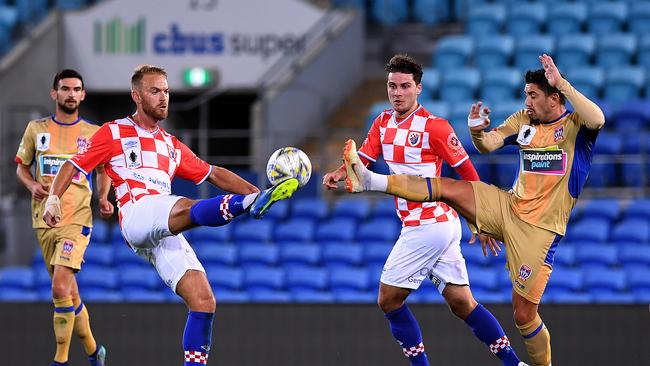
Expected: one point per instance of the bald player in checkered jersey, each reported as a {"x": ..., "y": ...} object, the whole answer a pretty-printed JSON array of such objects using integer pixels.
[
  {"x": 47, "y": 143},
  {"x": 141, "y": 160},
  {"x": 556, "y": 147},
  {"x": 413, "y": 141}
]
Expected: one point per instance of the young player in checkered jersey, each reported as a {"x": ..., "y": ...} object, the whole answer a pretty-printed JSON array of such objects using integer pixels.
[
  {"x": 141, "y": 159},
  {"x": 47, "y": 143},
  {"x": 413, "y": 141}
]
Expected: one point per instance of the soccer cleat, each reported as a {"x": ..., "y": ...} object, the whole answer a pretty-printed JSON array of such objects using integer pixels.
[
  {"x": 522, "y": 364},
  {"x": 278, "y": 192},
  {"x": 100, "y": 358},
  {"x": 355, "y": 169}
]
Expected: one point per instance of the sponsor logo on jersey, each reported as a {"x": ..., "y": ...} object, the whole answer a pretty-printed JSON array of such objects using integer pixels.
[
  {"x": 541, "y": 161},
  {"x": 526, "y": 134},
  {"x": 132, "y": 153},
  {"x": 49, "y": 165},
  {"x": 524, "y": 272},
  {"x": 415, "y": 138},
  {"x": 68, "y": 246},
  {"x": 558, "y": 134},
  {"x": 43, "y": 141}
]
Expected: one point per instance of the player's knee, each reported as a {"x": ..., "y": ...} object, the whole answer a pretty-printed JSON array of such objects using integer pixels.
[
  {"x": 461, "y": 306},
  {"x": 523, "y": 315},
  {"x": 388, "y": 303},
  {"x": 60, "y": 290},
  {"x": 205, "y": 302}
]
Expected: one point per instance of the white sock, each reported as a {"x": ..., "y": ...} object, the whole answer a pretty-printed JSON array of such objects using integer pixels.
[
  {"x": 248, "y": 200},
  {"x": 378, "y": 182}
]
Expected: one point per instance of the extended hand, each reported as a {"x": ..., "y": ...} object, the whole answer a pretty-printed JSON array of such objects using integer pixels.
[
  {"x": 487, "y": 241},
  {"x": 106, "y": 208},
  {"x": 477, "y": 111},
  {"x": 551, "y": 72},
  {"x": 52, "y": 213},
  {"x": 330, "y": 179}
]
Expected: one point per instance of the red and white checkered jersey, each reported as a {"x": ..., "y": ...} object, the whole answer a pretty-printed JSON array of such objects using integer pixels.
[
  {"x": 416, "y": 145},
  {"x": 139, "y": 162}
]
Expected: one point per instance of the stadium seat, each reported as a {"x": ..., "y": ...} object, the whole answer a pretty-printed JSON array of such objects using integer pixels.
[
  {"x": 643, "y": 53},
  {"x": 99, "y": 255},
  {"x": 624, "y": 83},
  {"x": 102, "y": 296},
  {"x": 430, "y": 84},
  {"x": 459, "y": 84},
  {"x": 575, "y": 50},
  {"x": 253, "y": 230},
  {"x": 312, "y": 297},
  {"x": 639, "y": 208},
  {"x": 219, "y": 234},
  {"x": 303, "y": 277},
  {"x": 377, "y": 252},
  {"x": 18, "y": 295},
  {"x": 490, "y": 297},
  {"x": 124, "y": 256},
  {"x": 501, "y": 84},
  {"x": 453, "y": 51},
  {"x": 225, "y": 277},
  {"x": 342, "y": 253},
  {"x": 438, "y": 109},
  {"x": 506, "y": 173},
  {"x": 586, "y": 79},
  {"x": 638, "y": 20},
  {"x": 224, "y": 296},
  {"x": 474, "y": 255},
  {"x": 602, "y": 174},
  {"x": 295, "y": 230},
  {"x": 605, "y": 279},
  {"x": 338, "y": 229},
  {"x": 633, "y": 116},
  {"x": 355, "y": 297},
  {"x": 430, "y": 12},
  {"x": 565, "y": 255},
  {"x": 607, "y": 208},
  {"x": 598, "y": 254},
  {"x": 105, "y": 279},
  {"x": 309, "y": 208},
  {"x": 635, "y": 255},
  {"x": 529, "y": 48},
  {"x": 279, "y": 212},
  {"x": 485, "y": 19},
  {"x": 389, "y": 12},
  {"x": 639, "y": 279},
  {"x": 385, "y": 229},
  {"x": 615, "y": 50},
  {"x": 632, "y": 174},
  {"x": 19, "y": 278},
  {"x": 101, "y": 232},
  {"x": 213, "y": 253},
  {"x": 42, "y": 281},
  {"x": 483, "y": 278},
  {"x": 265, "y": 296},
  {"x": 526, "y": 18},
  {"x": 349, "y": 278},
  {"x": 31, "y": 11},
  {"x": 501, "y": 110},
  {"x": 139, "y": 278},
  {"x": 618, "y": 298},
  {"x": 352, "y": 208},
  {"x": 254, "y": 253},
  {"x": 632, "y": 230},
  {"x": 492, "y": 51},
  {"x": 300, "y": 253},
  {"x": 609, "y": 143},
  {"x": 143, "y": 296},
  {"x": 589, "y": 229},
  {"x": 606, "y": 18},
  {"x": 264, "y": 277},
  {"x": 566, "y": 18},
  {"x": 566, "y": 297}
]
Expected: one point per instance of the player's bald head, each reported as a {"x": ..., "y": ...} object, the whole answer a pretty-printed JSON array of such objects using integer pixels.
[{"x": 141, "y": 70}]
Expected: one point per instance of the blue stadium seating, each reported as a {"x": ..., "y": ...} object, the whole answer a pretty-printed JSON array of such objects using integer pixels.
[
  {"x": 214, "y": 253},
  {"x": 624, "y": 83},
  {"x": 264, "y": 277},
  {"x": 604, "y": 254},
  {"x": 312, "y": 297},
  {"x": 638, "y": 20},
  {"x": 255, "y": 230},
  {"x": 99, "y": 255},
  {"x": 355, "y": 297},
  {"x": 474, "y": 255},
  {"x": 564, "y": 297},
  {"x": 430, "y": 12},
  {"x": 526, "y": 18},
  {"x": 430, "y": 84},
  {"x": 506, "y": 173},
  {"x": 220, "y": 233},
  {"x": 300, "y": 253},
  {"x": 566, "y": 18},
  {"x": 349, "y": 278},
  {"x": 501, "y": 110},
  {"x": 635, "y": 255},
  {"x": 643, "y": 53},
  {"x": 342, "y": 253},
  {"x": 313, "y": 208},
  {"x": 437, "y": 108},
  {"x": 389, "y": 12},
  {"x": 254, "y": 253},
  {"x": 353, "y": 208},
  {"x": 492, "y": 51},
  {"x": 101, "y": 296},
  {"x": 124, "y": 256},
  {"x": 70, "y": 4},
  {"x": 18, "y": 295},
  {"x": 339, "y": 229},
  {"x": 615, "y": 50},
  {"x": 605, "y": 279},
  {"x": 633, "y": 116},
  {"x": 459, "y": 84},
  {"x": 377, "y": 252},
  {"x": 224, "y": 296},
  {"x": 633, "y": 230},
  {"x": 225, "y": 277},
  {"x": 565, "y": 255},
  {"x": 453, "y": 52},
  {"x": 482, "y": 278},
  {"x": 101, "y": 232},
  {"x": 607, "y": 208},
  {"x": 295, "y": 230},
  {"x": 639, "y": 208},
  {"x": 18, "y": 278},
  {"x": 575, "y": 50},
  {"x": 529, "y": 48},
  {"x": 606, "y": 18},
  {"x": 592, "y": 229},
  {"x": 639, "y": 279},
  {"x": 31, "y": 10},
  {"x": 588, "y": 80},
  {"x": 97, "y": 279},
  {"x": 139, "y": 278},
  {"x": 279, "y": 212},
  {"x": 143, "y": 296},
  {"x": 485, "y": 19},
  {"x": 501, "y": 84},
  {"x": 265, "y": 296},
  {"x": 383, "y": 229},
  {"x": 303, "y": 277},
  {"x": 609, "y": 143}
]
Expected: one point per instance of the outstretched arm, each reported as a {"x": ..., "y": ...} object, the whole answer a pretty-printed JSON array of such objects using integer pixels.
[
  {"x": 52, "y": 213},
  {"x": 230, "y": 182},
  {"x": 106, "y": 208}
]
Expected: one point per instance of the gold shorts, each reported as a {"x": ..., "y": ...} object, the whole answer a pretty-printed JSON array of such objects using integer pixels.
[
  {"x": 529, "y": 249},
  {"x": 64, "y": 246}
]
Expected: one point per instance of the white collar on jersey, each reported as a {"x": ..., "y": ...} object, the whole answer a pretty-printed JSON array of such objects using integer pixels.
[
  {"x": 130, "y": 119},
  {"x": 407, "y": 118}
]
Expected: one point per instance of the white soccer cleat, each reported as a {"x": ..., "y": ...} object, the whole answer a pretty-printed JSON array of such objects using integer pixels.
[
  {"x": 357, "y": 173},
  {"x": 522, "y": 364}
]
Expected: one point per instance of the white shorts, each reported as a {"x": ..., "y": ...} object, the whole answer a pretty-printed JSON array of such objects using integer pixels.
[
  {"x": 145, "y": 226},
  {"x": 427, "y": 251}
]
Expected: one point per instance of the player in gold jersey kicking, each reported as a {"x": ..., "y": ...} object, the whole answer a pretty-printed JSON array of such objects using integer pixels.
[
  {"x": 556, "y": 147},
  {"x": 47, "y": 144}
]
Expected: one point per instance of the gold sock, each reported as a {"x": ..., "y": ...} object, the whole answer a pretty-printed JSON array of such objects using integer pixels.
[
  {"x": 82, "y": 328},
  {"x": 63, "y": 323},
  {"x": 538, "y": 341},
  {"x": 414, "y": 188}
]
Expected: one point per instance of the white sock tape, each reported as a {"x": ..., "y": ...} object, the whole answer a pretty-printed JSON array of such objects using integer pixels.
[{"x": 475, "y": 122}]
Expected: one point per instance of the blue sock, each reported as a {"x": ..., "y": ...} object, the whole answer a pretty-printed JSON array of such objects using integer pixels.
[
  {"x": 197, "y": 338},
  {"x": 93, "y": 358},
  {"x": 487, "y": 328},
  {"x": 406, "y": 331},
  {"x": 217, "y": 211},
  {"x": 59, "y": 363}
]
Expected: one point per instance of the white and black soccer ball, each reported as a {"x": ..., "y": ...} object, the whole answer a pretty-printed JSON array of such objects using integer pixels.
[{"x": 288, "y": 162}]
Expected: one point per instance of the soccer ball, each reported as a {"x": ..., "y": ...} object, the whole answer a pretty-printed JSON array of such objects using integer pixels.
[{"x": 288, "y": 162}]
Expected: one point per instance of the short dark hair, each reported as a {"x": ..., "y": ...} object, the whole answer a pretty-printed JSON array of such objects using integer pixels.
[
  {"x": 538, "y": 77},
  {"x": 66, "y": 74},
  {"x": 405, "y": 64},
  {"x": 145, "y": 69}
]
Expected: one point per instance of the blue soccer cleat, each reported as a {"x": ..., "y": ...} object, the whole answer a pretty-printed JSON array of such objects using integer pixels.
[
  {"x": 278, "y": 192},
  {"x": 100, "y": 357}
]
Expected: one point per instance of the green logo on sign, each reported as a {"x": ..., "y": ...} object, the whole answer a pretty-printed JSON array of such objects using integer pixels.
[{"x": 116, "y": 37}]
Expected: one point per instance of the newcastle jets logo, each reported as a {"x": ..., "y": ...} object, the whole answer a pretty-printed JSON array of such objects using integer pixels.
[
  {"x": 43, "y": 141},
  {"x": 526, "y": 134}
]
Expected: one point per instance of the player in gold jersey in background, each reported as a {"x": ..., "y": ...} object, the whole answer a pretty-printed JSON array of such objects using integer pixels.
[
  {"x": 47, "y": 143},
  {"x": 556, "y": 148}
]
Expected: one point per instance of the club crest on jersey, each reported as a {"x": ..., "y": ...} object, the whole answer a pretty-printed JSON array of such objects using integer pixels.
[
  {"x": 558, "y": 134},
  {"x": 415, "y": 138},
  {"x": 526, "y": 134},
  {"x": 43, "y": 141},
  {"x": 82, "y": 145},
  {"x": 68, "y": 245},
  {"x": 132, "y": 153},
  {"x": 524, "y": 272}
]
